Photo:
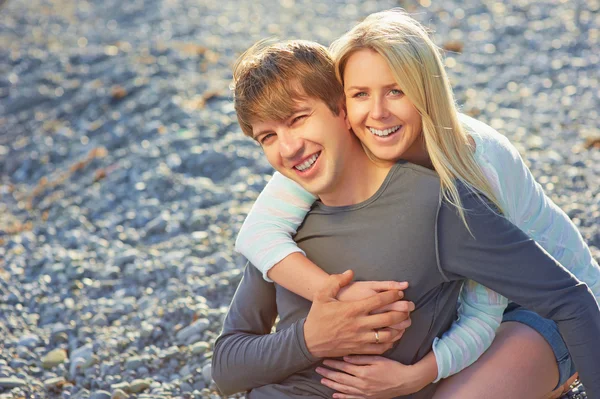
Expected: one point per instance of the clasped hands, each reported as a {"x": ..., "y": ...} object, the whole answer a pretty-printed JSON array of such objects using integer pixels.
[{"x": 362, "y": 318}]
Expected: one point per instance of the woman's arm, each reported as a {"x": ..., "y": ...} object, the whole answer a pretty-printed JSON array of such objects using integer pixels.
[
  {"x": 479, "y": 316},
  {"x": 265, "y": 238},
  {"x": 505, "y": 259},
  {"x": 527, "y": 206}
]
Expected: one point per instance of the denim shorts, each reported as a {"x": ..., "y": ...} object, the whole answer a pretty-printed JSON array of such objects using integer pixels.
[{"x": 549, "y": 330}]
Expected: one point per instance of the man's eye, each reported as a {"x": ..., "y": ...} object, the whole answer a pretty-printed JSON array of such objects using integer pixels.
[
  {"x": 265, "y": 138},
  {"x": 298, "y": 118}
]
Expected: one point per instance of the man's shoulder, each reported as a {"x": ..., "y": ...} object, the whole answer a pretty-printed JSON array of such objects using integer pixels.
[{"x": 420, "y": 181}]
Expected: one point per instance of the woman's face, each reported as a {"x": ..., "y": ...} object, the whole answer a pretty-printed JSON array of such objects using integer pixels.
[{"x": 382, "y": 117}]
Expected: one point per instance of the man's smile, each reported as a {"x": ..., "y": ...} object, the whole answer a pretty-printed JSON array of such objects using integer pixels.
[{"x": 307, "y": 163}]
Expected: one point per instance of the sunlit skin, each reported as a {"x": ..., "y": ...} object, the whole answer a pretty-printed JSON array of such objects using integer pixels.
[
  {"x": 374, "y": 100},
  {"x": 313, "y": 130}
]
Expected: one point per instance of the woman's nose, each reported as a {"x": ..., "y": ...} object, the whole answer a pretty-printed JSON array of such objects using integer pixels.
[{"x": 379, "y": 109}]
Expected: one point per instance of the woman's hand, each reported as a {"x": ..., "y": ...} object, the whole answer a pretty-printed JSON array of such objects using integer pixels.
[
  {"x": 373, "y": 377},
  {"x": 363, "y": 289}
]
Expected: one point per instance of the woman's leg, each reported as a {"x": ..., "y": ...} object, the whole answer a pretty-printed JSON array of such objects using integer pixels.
[{"x": 519, "y": 364}]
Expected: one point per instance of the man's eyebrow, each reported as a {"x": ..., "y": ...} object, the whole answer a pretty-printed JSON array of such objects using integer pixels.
[
  {"x": 299, "y": 110},
  {"x": 294, "y": 112}
]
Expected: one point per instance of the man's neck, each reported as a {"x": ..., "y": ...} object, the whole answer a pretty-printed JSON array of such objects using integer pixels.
[{"x": 360, "y": 178}]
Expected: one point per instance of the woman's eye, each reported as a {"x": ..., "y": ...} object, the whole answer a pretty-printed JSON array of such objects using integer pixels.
[
  {"x": 359, "y": 94},
  {"x": 396, "y": 92}
]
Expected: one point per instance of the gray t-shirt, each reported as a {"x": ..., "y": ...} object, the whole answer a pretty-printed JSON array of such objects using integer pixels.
[{"x": 403, "y": 233}]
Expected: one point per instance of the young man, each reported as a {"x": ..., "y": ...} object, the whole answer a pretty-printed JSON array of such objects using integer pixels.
[{"x": 382, "y": 216}]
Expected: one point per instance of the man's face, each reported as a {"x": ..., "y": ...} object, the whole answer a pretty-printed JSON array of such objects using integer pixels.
[{"x": 309, "y": 146}]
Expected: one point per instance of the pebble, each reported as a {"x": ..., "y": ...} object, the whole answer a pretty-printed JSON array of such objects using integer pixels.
[
  {"x": 54, "y": 358},
  {"x": 100, "y": 395},
  {"x": 199, "y": 348},
  {"x": 119, "y": 394},
  {"x": 133, "y": 363},
  {"x": 139, "y": 385},
  {"x": 120, "y": 386},
  {"x": 30, "y": 341},
  {"x": 12, "y": 382},
  {"x": 193, "y": 330},
  {"x": 54, "y": 383},
  {"x": 207, "y": 373},
  {"x": 185, "y": 387}
]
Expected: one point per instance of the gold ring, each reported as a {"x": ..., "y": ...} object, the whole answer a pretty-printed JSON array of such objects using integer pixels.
[{"x": 376, "y": 336}]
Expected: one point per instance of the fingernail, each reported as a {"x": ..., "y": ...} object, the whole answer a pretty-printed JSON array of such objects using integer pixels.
[{"x": 346, "y": 272}]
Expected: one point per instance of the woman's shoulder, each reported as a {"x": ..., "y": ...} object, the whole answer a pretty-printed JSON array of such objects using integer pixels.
[{"x": 490, "y": 145}]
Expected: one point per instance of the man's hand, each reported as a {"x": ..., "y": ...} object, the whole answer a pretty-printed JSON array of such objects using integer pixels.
[
  {"x": 374, "y": 377},
  {"x": 334, "y": 328}
]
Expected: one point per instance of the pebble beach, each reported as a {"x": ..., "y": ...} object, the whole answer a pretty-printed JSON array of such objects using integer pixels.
[{"x": 124, "y": 176}]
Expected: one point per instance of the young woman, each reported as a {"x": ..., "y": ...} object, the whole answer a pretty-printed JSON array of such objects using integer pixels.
[{"x": 389, "y": 67}]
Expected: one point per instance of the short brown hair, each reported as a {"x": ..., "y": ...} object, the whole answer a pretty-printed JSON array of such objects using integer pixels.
[{"x": 269, "y": 78}]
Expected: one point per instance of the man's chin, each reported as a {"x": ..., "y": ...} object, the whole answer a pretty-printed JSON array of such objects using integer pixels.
[{"x": 311, "y": 185}]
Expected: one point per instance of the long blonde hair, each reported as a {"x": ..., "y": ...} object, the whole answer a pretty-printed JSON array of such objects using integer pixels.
[{"x": 416, "y": 63}]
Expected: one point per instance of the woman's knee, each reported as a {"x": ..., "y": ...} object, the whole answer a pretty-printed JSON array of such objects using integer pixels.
[{"x": 519, "y": 363}]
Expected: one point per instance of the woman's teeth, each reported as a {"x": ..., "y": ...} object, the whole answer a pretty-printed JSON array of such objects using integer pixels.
[
  {"x": 386, "y": 132},
  {"x": 308, "y": 163}
]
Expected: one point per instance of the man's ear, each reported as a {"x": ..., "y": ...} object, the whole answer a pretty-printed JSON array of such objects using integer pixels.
[{"x": 344, "y": 111}]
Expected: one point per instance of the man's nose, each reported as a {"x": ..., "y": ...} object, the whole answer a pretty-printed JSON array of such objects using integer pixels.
[
  {"x": 290, "y": 145},
  {"x": 379, "y": 109}
]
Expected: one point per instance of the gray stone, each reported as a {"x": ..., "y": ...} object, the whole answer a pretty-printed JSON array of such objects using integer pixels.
[
  {"x": 54, "y": 383},
  {"x": 80, "y": 358},
  {"x": 139, "y": 385},
  {"x": 29, "y": 340},
  {"x": 119, "y": 394},
  {"x": 195, "y": 328},
  {"x": 100, "y": 395},
  {"x": 169, "y": 352},
  {"x": 125, "y": 258},
  {"x": 133, "y": 363},
  {"x": 199, "y": 348},
  {"x": 121, "y": 385},
  {"x": 99, "y": 320},
  {"x": 12, "y": 382},
  {"x": 207, "y": 373},
  {"x": 82, "y": 394},
  {"x": 156, "y": 226},
  {"x": 185, "y": 387}
]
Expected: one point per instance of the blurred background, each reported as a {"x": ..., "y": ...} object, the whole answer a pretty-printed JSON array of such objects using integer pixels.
[{"x": 124, "y": 176}]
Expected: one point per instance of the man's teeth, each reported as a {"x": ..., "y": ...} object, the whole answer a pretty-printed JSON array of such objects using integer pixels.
[
  {"x": 308, "y": 163},
  {"x": 386, "y": 132}
]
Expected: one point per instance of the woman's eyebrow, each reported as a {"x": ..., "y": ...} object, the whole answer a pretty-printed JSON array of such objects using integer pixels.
[{"x": 388, "y": 86}]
